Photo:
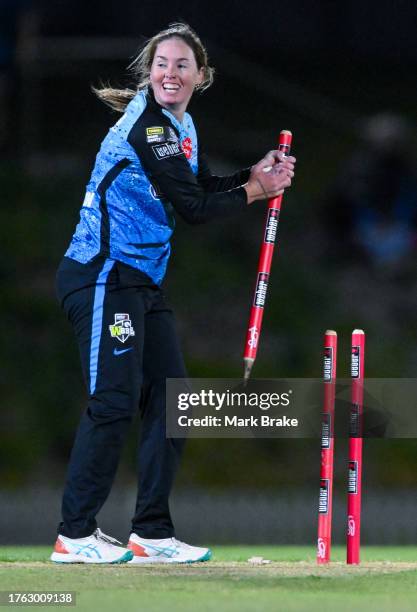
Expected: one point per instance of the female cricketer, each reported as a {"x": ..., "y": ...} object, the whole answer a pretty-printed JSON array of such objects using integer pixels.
[{"x": 149, "y": 168}]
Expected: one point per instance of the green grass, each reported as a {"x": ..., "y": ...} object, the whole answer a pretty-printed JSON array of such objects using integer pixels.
[{"x": 385, "y": 581}]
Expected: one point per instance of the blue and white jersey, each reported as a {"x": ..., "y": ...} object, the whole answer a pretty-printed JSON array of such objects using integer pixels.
[{"x": 149, "y": 165}]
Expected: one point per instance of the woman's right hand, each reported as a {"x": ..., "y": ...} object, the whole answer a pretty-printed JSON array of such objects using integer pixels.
[{"x": 270, "y": 176}]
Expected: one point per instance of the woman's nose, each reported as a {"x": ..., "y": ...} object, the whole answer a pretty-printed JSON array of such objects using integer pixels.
[{"x": 170, "y": 71}]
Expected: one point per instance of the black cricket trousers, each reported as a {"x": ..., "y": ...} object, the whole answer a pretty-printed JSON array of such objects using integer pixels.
[{"x": 128, "y": 347}]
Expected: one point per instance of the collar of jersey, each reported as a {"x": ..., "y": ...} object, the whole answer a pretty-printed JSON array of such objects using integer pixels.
[{"x": 183, "y": 127}]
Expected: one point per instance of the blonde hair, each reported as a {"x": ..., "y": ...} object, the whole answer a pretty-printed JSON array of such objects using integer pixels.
[{"x": 118, "y": 99}]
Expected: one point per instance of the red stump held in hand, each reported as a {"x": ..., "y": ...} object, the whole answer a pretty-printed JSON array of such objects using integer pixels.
[{"x": 264, "y": 268}]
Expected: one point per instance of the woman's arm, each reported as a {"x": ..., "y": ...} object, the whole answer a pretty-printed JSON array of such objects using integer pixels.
[
  {"x": 170, "y": 173},
  {"x": 212, "y": 183}
]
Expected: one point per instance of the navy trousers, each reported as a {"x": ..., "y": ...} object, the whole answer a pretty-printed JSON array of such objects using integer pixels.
[{"x": 128, "y": 347}]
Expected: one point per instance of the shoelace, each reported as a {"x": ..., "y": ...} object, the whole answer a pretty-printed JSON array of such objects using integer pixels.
[
  {"x": 179, "y": 543},
  {"x": 102, "y": 536}
]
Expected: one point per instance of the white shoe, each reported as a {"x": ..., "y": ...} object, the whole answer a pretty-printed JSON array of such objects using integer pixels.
[
  {"x": 168, "y": 550},
  {"x": 96, "y": 548}
]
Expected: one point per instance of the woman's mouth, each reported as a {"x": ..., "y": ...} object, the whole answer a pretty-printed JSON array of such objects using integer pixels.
[{"x": 170, "y": 87}]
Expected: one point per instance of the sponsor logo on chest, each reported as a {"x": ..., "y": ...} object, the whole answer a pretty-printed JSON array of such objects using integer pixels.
[
  {"x": 159, "y": 134},
  {"x": 187, "y": 147},
  {"x": 168, "y": 149}
]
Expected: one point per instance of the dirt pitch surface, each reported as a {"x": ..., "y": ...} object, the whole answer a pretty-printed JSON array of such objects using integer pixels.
[
  {"x": 386, "y": 580},
  {"x": 239, "y": 569}
]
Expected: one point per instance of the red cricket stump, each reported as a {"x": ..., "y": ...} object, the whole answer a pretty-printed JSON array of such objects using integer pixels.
[
  {"x": 324, "y": 537},
  {"x": 355, "y": 448},
  {"x": 264, "y": 268}
]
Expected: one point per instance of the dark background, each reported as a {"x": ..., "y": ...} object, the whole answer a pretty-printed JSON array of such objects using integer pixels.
[{"x": 321, "y": 69}]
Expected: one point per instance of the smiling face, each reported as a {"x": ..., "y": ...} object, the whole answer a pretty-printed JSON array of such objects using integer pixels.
[{"x": 174, "y": 75}]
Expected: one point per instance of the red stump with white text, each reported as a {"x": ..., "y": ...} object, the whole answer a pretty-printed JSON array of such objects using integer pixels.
[
  {"x": 355, "y": 449},
  {"x": 264, "y": 268},
  {"x": 324, "y": 535}
]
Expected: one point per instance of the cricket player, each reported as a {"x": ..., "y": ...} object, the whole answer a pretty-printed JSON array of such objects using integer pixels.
[{"x": 149, "y": 168}]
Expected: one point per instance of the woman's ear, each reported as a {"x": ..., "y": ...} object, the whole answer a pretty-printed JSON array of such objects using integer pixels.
[{"x": 200, "y": 77}]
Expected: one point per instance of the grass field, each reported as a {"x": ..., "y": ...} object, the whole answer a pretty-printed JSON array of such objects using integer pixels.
[{"x": 385, "y": 581}]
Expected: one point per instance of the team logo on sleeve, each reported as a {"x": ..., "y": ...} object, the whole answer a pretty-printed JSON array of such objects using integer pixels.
[
  {"x": 187, "y": 147},
  {"x": 122, "y": 328}
]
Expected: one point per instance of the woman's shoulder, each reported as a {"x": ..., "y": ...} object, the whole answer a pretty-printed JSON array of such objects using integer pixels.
[{"x": 151, "y": 126}]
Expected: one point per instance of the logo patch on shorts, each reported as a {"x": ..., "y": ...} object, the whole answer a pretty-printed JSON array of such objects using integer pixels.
[{"x": 122, "y": 328}]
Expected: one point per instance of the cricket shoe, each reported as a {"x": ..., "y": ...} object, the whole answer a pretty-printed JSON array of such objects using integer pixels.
[
  {"x": 96, "y": 548},
  {"x": 167, "y": 550}
]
